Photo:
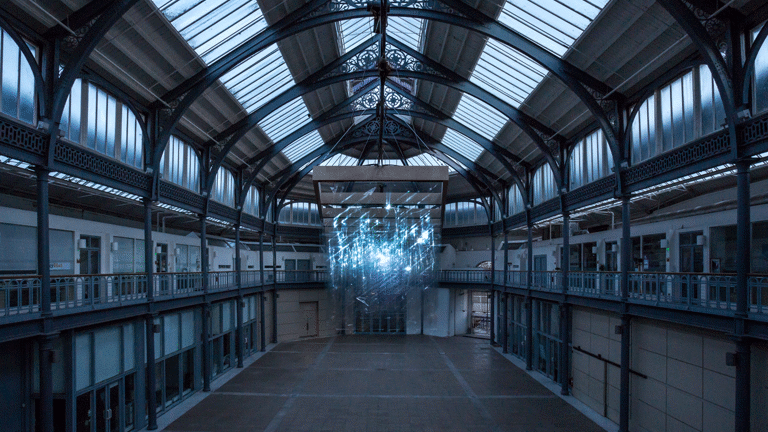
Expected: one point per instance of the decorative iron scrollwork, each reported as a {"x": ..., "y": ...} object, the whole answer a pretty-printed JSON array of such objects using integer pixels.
[{"x": 400, "y": 60}]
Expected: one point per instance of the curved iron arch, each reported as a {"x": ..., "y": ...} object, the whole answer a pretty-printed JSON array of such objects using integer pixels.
[
  {"x": 749, "y": 63},
  {"x": 40, "y": 84}
]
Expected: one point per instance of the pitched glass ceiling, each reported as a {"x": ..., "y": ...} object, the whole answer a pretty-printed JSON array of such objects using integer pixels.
[
  {"x": 213, "y": 27},
  {"x": 462, "y": 145},
  {"x": 405, "y": 29},
  {"x": 259, "y": 79},
  {"x": 303, "y": 146},
  {"x": 553, "y": 24},
  {"x": 286, "y": 119},
  {"x": 479, "y": 116}
]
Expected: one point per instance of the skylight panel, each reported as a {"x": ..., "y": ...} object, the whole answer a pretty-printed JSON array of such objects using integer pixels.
[
  {"x": 406, "y": 30},
  {"x": 303, "y": 146},
  {"x": 462, "y": 145},
  {"x": 340, "y": 160},
  {"x": 214, "y": 27},
  {"x": 479, "y": 116},
  {"x": 425, "y": 159},
  {"x": 259, "y": 79},
  {"x": 507, "y": 73},
  {"x": 554, "y": 25},
  {"x": 286, "y": 119},
  {"x": 354, "y": 32},
  {"x": 464, "y": 167}
]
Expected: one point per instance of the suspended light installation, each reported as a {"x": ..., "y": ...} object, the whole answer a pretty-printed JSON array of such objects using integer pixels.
[{"x": 378, "y": 264}]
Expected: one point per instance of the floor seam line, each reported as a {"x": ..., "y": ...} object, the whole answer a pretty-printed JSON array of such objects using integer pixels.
[
  {"x": 465, "y": 386},
  {"x": 278, "y": 418}
]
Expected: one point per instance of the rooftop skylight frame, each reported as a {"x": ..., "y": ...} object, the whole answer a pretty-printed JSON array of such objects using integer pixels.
[
  {"x": 462, "y": 145},
  {"x": 479, "y": 116},
  {"x": 286, "y": 119},
  {"x": 303, "y": 146},
  {"x": 259, "y": 79}
]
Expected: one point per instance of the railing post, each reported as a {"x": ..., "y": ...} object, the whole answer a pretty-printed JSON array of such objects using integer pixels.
[
  {"x": 626, "y": 258},
  {"x": 565, "y": 369},
  {"x": 529, "y": 299},
  {"x": 743, "y": 349},
  {"x": 206, "y": 351},
  {"x": 240, "y": 300},
  {"x": 151, "y": 379}
]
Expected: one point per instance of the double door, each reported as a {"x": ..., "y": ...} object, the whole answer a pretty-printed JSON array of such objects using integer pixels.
[{"x": 108, "y": 408}]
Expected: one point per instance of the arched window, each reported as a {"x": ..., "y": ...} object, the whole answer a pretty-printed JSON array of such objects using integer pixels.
[
  {"x": 515, "y": 200},
  {"x": 544, "y": 185},
  {"x": 224, "y": 188},
  {"x": 103, "y": 123},
  {"x": 300, "y": 213},
  {"x": 590, "y": 160},
  {"x": 181, "y": 165},
  {"x": 251, "y": 204},
  {"x": 465, "y": 213},
  {"x": 673, "y": 116},
  {"x": 17, "y": 83}
]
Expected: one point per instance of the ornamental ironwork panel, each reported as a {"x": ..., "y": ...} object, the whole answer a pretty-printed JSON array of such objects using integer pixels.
[
  {"x": 755, "y": 131},
  {"x": 81, "y": 158},
  {"x": 222, "y": 211},
  {"x": 598, "y": 188},
  {"x": 516, "y": 220},
  {"x": 546, "y": 208},
  {"x": 465, "y": 231},
  {"x": 363, "y": 61},
  {"x": 22, "y": 137},
  {"x": 187, "y": 198},
  {"x": 697, "y": 151}
]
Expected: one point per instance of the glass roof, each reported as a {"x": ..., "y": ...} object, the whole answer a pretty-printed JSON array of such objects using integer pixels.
[
  {"x": 340, "y": 160},
  {"x": 479, "y": 116},
  {"x": 426, "y": 159},
  {"x": 213, "y": 27},
  {"x": 462, "y": 145},
  {"x": 553, "y": 24},
  {"x": 405, "y": 29},
  {"x": 507, "y": 73},
  {"x": 286, "y": 119},
  {"x": 303, "y": 146},
  {"x": 259, "y": 79}
]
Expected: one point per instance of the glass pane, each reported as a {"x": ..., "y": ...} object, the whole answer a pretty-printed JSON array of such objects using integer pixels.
[
  {"x": 107, "y": 356},
  {"x": 82, "y": 361},
  {"x": 172, "y": 333},
  {"x": 10, "y": 76},
  {"x": 128, "y": 351}
]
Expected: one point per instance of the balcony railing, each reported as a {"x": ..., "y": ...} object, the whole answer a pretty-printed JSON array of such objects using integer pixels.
[
  {"x": 709, "y": 292},
  {"x": 20, "y": 295}
]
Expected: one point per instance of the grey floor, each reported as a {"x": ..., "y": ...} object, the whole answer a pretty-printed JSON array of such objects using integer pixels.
[{"x": 383, "y": 383}]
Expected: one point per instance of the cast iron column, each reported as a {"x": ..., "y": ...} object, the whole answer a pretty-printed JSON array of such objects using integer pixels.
[
  {"x": 149, "y": 262},
  {"x": 206, "y": 352},
  {"x": 743, "y": 349},
  {"x": 44, "y": 269},
  {"x": 240, "y": 300},
  {"x": 505, "y": 342},
  {"x": 626, "y": 263},
  {"x": 274, "y": 292},
  {"x": 529, "y": 302},
  {"x": 262, "y": 320},
  {"x": 493, "y": 290},
  {"x": 565, "y": 368}
]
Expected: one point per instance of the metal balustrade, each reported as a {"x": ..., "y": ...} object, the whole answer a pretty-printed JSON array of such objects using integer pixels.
[
  {"x": 20, "y": 295},
  {"x": 706, "y": 292}
]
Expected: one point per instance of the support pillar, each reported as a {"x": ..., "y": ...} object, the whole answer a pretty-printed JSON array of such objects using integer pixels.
[
  {"x": 505, "y": 275},
  {"x": 274, "y": 292},
  {"x": 565, "y": 333},
  {"x": 743, "y": 344},
  {"x": 262, "y": 319},
  {"x": 494, "y": 313},
  {"x": 626, "y": 263},
  {"x": 529, "y": 302},
  {"x": 206, "y": 352},
  {"x": 45, "y": 345},
  {"x": 240, "y": 301},
  {"x": 149, "y": 262}
]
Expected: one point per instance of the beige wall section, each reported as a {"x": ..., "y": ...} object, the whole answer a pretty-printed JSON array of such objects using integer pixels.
[
  {"x": 290, "y": 318},
  {"x": 595, "y": 382},
  {"x": 689, "y": 387}
]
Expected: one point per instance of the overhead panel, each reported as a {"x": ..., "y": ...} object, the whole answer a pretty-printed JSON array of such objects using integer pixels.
[
  {"x": 340, "y": 159},
  {"x": 553, "y": 24},
  {"x": 213, "y": 27},
  {"x": 426, "y": 159},
  {"x": 303, "y": 146},
  {"x": 462, "y": 145},
  {"x": 358, "y": 30},
  {"x": 259, "y": 79},
  {"x": 479, "y": 116},
  {"x": 507, "y": 73},
  {"x": 286, "y": 119}
]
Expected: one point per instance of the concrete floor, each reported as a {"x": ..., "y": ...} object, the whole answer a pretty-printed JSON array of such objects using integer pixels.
[{"x": 383, "y": 383}]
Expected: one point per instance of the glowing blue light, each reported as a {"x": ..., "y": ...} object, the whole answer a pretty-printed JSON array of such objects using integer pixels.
[{"x": 408, "y": 268}]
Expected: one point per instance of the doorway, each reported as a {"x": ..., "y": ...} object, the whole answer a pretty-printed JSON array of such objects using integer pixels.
[
  {"x": 480, "y": 317},
  {"x": 108, "y": 408},
  {"x": 161, "y": 261},
  {"x": 691, "y": 261},
  {"x": 90, "y": 264},
  {"x": 309, "y": 312}
]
